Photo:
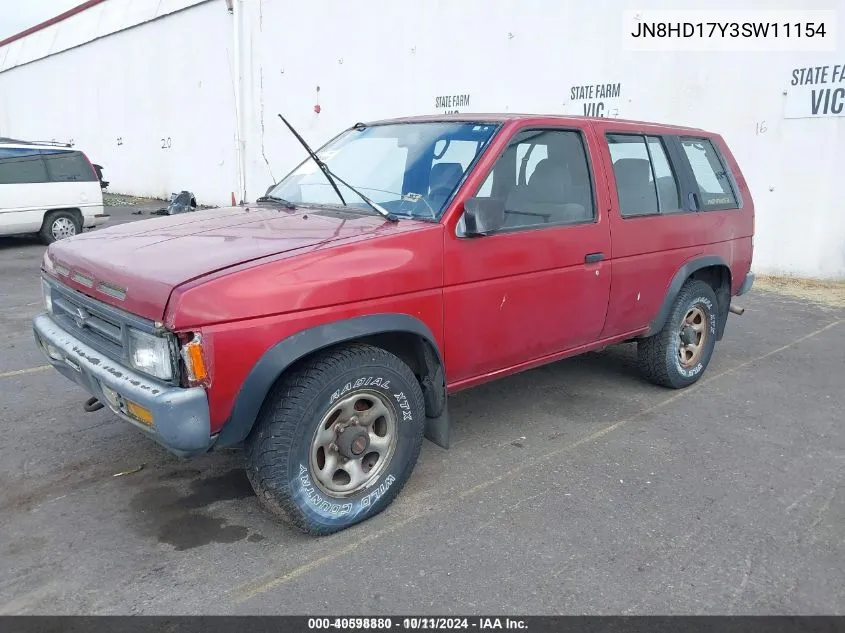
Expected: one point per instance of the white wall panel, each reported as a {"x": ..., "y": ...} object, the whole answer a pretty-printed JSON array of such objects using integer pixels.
[
  {"x": 99, "y": 20},
  {"x": 122, "y": 98}
]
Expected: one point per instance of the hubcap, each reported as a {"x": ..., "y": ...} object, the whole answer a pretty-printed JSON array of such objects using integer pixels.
[
  {"x": 692, "y": 336},
  {"x": 353, "y": 443},
  {"x": 62, "y": 227}
]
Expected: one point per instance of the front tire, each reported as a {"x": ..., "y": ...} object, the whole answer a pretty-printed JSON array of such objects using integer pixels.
[
  {"x": 677, "y": 355},
  {"x": 337, "y": 439}
]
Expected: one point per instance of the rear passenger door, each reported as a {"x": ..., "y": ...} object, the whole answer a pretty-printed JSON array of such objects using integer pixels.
[
  {"x": 540, "y": 284},
  {"x": 655, "y": 219}
]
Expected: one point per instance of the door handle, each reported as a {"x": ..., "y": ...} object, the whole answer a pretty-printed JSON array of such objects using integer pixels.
[{"x": 593, "y": 258}]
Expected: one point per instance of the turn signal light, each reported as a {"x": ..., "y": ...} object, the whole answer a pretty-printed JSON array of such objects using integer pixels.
[
  {"x": 140, "y": 413},
  {"x": 194, "y": 359}
]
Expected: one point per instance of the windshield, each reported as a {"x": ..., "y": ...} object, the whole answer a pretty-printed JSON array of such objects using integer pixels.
[{"x": 410, "y": 169}]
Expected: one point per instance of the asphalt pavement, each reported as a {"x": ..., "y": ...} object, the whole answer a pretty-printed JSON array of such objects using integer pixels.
[{"x": 576, "y": 488}]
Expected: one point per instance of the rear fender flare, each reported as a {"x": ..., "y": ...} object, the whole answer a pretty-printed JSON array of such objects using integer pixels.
[
  {"x": 675, "y": 288},
  {"x": 285, "y": 353}
]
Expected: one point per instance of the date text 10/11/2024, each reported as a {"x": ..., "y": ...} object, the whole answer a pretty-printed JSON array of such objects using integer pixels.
[{"x": 417, "y": 623}]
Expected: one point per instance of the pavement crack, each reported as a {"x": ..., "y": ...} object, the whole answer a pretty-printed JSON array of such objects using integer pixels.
[
  {"x": 28, "y": 370},
  {"x": 806, "y": 494},
  {"x": 743, "y": 583},
  {"x": 820, "y": 514},
  {"x": 526, "y": 499}
]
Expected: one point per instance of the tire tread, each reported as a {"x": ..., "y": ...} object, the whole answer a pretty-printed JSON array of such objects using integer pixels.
[
  {"x": 652, "y": 351},
  {"x": 273, "y": 435}
]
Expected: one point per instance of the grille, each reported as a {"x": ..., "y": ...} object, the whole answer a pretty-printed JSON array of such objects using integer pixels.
[
  {"x": 89, "y": 320},
  {"x": 102, "y": 326}
]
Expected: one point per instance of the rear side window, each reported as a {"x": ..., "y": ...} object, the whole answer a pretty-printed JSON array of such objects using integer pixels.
[
  {"x": 646, "y": 184},
  {"x": 22, "y": 166},
  {"x": 65, "y": 166},
  {"x": 711, "y": 176}
]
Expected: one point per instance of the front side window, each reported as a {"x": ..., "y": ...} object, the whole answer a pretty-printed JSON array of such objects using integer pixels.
[
  {"x": 711, "y": 176},
  {"x": 411, "y": 169},
  {"x": 21, "y": 166},
  {"x": 541, "y": 179}
]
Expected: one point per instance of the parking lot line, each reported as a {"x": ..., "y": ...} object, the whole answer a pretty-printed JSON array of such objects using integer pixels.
[
  {"x": 249, "y": 590},
  {"x": 29, "y": 370}
]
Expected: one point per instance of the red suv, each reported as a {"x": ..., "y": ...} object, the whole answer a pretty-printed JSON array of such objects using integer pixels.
[{"x": 323, "y": 326}]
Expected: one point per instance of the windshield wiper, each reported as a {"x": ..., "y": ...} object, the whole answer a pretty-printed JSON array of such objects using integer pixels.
[
  {"x": 285, "y": 203},
  {"x": 331, "y": 177}
]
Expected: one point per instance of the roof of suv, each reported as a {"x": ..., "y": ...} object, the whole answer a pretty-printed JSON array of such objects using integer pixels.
[
  {"x": 14, "y": 143},
  {"x": 502, "y": 117}
]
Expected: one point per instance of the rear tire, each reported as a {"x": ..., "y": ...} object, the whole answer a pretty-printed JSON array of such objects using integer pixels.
[
  {"x": 59, "y": 225},
  {"x": 337, "y": 439},
  {"x": 677, "y": 355}
]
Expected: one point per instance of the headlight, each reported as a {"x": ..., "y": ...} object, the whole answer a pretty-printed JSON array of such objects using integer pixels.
[
  {"x": 150, "y": 354},
  {"x": 48, "y": 296}
]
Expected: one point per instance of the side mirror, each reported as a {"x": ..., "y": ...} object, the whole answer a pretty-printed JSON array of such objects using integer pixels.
[{"x": 483, "y": 216}]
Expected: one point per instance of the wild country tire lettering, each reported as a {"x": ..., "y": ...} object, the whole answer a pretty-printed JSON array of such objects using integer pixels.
[
  {"x": 361, "y": 382},
  {"x": 336, "y": 509},
  {"x": 378, "y": 493},
  {"x": 317, "y": 500},
  {"x": 689, "y": 373}
]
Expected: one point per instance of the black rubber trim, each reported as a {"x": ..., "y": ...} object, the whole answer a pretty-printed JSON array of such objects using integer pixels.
[
  {"x": 675, "y": 287},
  {"x": 284, "y": 353},
  {"x": 686, "y": 178}
]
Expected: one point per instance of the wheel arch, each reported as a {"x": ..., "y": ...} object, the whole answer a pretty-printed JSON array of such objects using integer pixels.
[
  {"x": 74, "y": 211},
  {"x": 711, "y": 269},
  {"x": 401, "y": 334}
]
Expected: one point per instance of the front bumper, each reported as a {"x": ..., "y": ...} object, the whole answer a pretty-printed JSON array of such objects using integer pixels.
[{"x": 180, "y": 417}]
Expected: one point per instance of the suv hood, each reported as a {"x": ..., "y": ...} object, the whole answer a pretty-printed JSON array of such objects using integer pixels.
[{"x": 135, "y": 266}]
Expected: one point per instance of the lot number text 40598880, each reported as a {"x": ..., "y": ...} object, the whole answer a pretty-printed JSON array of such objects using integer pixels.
[{"x": 418, "y": 623}]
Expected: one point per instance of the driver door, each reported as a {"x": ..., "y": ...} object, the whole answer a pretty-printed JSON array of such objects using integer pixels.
[{"x": 540, "y": 283}]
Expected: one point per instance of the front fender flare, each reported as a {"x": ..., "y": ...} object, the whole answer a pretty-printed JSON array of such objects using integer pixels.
[{"x": 283, "y": 354}]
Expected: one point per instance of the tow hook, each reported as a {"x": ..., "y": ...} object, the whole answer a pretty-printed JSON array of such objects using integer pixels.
[
  {"x": 92, "y": 404},
  {"x": 736, "y": 310}
]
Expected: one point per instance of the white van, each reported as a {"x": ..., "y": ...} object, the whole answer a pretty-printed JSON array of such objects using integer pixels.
[{"x": 49, "y": 189}]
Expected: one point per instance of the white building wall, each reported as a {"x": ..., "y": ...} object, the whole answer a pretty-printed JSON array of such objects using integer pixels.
[
  {"x": 381, "y": 58},
  {"x": 151, "y": 99}
]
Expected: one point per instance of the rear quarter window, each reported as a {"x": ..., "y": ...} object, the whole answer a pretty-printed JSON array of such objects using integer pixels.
[
  {"x": 711, "y": 174},
  {"x": 68, "y": 166},
  {"x": 22, "y": 166}
]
